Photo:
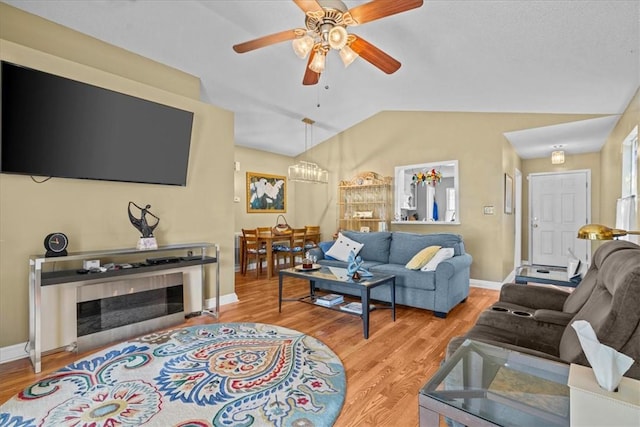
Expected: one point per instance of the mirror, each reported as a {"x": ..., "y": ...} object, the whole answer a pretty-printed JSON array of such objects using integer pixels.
[{"x": 427, "y": 193}]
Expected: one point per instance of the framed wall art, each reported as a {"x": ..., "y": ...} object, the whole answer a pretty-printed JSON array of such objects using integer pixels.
[
  {"x": 266, "y": 193},
  {"x": 508, "y": 194}
]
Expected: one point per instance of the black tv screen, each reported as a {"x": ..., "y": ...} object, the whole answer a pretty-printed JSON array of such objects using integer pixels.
[{"x": 54, "y": 126}]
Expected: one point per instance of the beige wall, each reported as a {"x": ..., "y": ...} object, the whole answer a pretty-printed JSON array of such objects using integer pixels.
[
  {"x": 298, "y": 194},
  {"x": 589, "y": 161},
  {"x": 476, "y": 140},
  {"x": 510, "y": 162},
  {"x": 93, "y": 213},
  {"x": 261, "y": 162}
]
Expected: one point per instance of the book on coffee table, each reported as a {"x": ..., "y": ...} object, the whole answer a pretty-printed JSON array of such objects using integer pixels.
[
  {"x": 355, "y": 307},
  {"x": 329, "y": 300}
]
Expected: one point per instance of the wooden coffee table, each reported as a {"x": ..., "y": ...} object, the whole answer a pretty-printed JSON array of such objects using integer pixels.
[{"x": 339, "y": 276}]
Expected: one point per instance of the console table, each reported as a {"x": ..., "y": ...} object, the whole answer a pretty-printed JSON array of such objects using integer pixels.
[{"x": 39, "y": 279}]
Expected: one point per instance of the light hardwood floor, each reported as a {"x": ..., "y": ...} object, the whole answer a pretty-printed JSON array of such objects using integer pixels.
[{"x": 384, "y": 373}]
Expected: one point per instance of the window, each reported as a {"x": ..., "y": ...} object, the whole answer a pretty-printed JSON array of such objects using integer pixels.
[
  {"x": 627, "y": 204},
  {"x": 630, "y": 164}
]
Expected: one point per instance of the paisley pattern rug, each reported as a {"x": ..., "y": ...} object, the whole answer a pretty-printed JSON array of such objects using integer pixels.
[{"x": 227, "y": 374}]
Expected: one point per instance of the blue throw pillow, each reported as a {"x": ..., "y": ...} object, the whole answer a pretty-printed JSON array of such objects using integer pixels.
[{"x": 325, "y": 246}]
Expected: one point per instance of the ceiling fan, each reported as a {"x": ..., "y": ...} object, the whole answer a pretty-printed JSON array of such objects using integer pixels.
[{"x": 326, "y": 28}]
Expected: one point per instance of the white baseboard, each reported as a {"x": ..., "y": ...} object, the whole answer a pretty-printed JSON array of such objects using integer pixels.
[
  {"x": 13, "y": 352},
  {"x": 485, "y": 284},
  {"x": 225, "y": 299}
]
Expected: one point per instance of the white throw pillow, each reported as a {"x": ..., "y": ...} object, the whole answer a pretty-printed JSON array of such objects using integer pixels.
[
  {"x": 341, "y": 248},
  {"x": 441, "y": 255}
]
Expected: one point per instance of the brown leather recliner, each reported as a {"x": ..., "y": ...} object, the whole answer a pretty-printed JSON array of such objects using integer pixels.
[{"x": 537, "y": 320}]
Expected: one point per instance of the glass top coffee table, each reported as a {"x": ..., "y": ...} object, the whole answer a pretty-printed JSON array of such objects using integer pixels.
[
  {"x": 485, "y": 385},
  {"x": 339, "y": 276}
]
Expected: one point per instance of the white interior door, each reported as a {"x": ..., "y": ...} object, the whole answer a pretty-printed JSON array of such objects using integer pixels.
[{"x": 559, "y": 204}]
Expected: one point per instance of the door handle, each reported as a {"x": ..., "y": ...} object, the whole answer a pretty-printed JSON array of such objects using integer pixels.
[{"x": 535, "y": 225}]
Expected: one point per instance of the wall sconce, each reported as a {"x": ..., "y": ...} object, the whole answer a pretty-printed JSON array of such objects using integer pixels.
[{"x": 557, "y": 157}]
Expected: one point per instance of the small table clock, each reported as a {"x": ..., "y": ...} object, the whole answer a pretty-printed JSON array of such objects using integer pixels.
[{"x": 56, "y": 244}]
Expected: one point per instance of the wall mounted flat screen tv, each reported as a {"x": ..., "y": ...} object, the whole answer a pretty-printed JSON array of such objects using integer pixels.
[{"x": 57, "y": 127}]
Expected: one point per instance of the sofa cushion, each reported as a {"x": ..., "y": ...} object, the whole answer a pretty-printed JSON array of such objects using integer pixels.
[
  {"x": 441, "y": 255},
  {"x": 376, "y": 245},
  {"x": 343, "y": 247},
  {"x": 325, "y": 246},
  {"x": 408, "y": 278},
  {"x": 420, "y": 259},
  {"x": 405, "y": 245},
  {"x": 336, "y": 263}
]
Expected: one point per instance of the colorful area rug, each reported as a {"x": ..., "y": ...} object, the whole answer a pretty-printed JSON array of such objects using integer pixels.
[{"x": 228, "y": 374}]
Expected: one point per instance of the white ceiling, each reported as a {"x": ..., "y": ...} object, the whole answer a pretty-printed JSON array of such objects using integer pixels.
[{"x": 521, "y": 56}]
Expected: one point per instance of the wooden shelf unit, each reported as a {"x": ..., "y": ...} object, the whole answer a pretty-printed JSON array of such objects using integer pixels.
[{"x": 365, "y": 203}]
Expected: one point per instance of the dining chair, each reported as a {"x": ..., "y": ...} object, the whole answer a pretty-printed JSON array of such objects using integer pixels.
[
  {"x": 274, "y": 246},
  {"x": 262, "y": 230},
  {"x": 253, "y": 248},
  {"x": 312, "y": 236},
  {"x": 295, "y": 249}
]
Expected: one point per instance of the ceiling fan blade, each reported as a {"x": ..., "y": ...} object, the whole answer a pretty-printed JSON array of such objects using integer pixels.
[
  {"x": 377, "y": 9},
  {"x": 282, "y": 36},
  {"x": 310, "y": 76},
  {"x": 375, "y": 56},
  {"x": 308, "y": 5}
]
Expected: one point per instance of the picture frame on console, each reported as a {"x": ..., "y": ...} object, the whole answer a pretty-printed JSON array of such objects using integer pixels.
[{"x": 266, "y": 193}]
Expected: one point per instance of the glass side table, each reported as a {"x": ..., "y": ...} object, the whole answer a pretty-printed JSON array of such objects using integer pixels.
[
  {"x": 485, "y": 385},
  {"x": 546, "y": 275}
]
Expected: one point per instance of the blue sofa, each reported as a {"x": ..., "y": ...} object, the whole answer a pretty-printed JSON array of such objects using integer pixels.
[{"x": 388, "y": 253}]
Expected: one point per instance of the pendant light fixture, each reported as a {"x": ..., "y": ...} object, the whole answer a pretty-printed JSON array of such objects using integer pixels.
[
  {"x": 305, "y": 171},
  {"x": 557, "y": 157}
]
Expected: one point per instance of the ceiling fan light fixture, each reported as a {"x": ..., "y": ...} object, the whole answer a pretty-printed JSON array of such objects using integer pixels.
[
  {"x": 338, "y": 37},
  {"x": 303, "y": 45},
  {"x": 347, "y": 55},
  {"x": 318, "y": 62}
]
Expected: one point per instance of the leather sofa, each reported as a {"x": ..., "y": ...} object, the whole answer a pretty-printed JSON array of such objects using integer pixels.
[
  {"x": 389, "y": 252},
  {"x": 537, "y": 320}
]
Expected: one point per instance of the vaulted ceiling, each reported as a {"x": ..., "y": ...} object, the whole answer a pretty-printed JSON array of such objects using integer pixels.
[{"x": 522, "y": 56}]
